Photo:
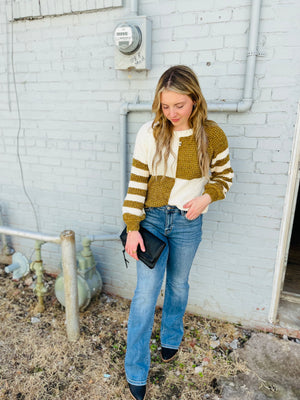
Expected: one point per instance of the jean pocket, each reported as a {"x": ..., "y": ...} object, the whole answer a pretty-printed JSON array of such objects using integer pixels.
[{"x": 192, "y": 220}]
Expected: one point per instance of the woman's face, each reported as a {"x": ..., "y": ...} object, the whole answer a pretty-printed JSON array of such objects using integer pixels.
[{"x": 177, "y": 108}]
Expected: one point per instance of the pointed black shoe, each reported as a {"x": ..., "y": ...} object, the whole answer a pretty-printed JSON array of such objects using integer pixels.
[
  {"x": 137, "y": 392},
  {"x": 168, "y": 354}
]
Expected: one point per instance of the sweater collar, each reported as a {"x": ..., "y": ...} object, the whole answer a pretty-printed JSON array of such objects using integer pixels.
[{"x": 179, "y": 134}]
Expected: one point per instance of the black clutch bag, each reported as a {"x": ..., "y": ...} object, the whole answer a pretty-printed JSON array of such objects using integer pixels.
[{"x": 154, "y": 247}]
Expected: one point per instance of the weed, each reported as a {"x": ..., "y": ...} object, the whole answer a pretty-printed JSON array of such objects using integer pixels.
[{"x": 38, "y": 362}]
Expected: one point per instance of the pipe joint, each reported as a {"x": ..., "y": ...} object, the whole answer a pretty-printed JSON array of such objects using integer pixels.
[
  {"x": 244, "y": 105},
  {"x": 252, "y": 53},
  {"x": 124, "y": 109}
]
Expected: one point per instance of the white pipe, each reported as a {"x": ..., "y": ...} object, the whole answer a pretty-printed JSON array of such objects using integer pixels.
[
  {"x": 134, "y": 7},
  {"x": 285, "y": 230},
  {"x": 123, "y": 151},
  {"x": 30, "y": 235},
  {"x": 251, "y": 59},
  {"x": 245, "y": 103},
  {"x": 69, "y": 265},
  {"x": 124, "y": 110}
]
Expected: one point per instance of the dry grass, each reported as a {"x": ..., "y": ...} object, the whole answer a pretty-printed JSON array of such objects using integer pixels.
[{"x": 38, "y": 363}]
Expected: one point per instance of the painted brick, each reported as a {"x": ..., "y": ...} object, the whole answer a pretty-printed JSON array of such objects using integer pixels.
[
  {"x": 191, "y": 31},
  {"x": 209, "y": 16},
  {"x": 70, "y": 96},
  {"x": 243, "y": 142},
  {"x": 262, "y": 155},
  {"x": 273, "y": 168},
  {"x": 272, "y": 131},
  {"x": 189, "y": 18},
  {"x": 171, "y": 20},
  {"x": 230, "y": 28},
  {"x": 270, "y": 144},
  {"x": 251, "y": 119},
  {"x": 225, "y": 55},
  {"x": 165, "y": 8},
  {"x": 281, "y": 156},
  {"x": 195, "y": 5},
  {"x": 204, "y": 44}
]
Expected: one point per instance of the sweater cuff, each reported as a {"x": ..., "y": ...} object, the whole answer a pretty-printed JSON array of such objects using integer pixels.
[
  {"x": 214, "y": 193},
  {"x": 132, "y": 221},
  {"x": 133, "y": 226}
]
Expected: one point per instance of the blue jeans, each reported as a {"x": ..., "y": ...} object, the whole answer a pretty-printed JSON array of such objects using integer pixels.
[{"x": 182, "y": 237}]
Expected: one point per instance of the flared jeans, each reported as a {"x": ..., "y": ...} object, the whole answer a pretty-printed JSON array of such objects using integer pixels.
[{"x": 182, "y": 238}]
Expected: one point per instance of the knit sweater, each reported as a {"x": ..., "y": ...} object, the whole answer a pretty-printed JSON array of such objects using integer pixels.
[{"x": 183, "y": 180}]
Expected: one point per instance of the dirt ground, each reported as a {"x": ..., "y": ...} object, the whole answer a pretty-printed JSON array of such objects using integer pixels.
[{"x": 38, "y": 363}]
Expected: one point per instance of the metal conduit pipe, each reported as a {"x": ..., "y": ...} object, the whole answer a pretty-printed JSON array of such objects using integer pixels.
[
  {"x": 125, "y": 109},
  {"x": 3, "y": 237},
  {"x": 69, "y": 264},
  {"x": 134, "y": 7},
  {"x": 30, "y": 234},
  {"x": 6, "y": 251},
  {"x": 68, "y": 249},
  {"x": 245, "y": 103}
]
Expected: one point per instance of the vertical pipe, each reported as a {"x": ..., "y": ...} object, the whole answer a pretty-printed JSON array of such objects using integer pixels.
[
  {"x": 37, "y": 266},
  {"x": 70, "y": 283},
  {"x": 125, "y": 109},
  {"x": 134, "y": 7},
  {"x": 3, "y": 237},
  {"x": 252, "y": 54},
  {"x": 123, "y": 151}
]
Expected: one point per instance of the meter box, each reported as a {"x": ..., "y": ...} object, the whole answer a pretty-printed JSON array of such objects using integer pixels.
[{"x": 132, "y": 39}]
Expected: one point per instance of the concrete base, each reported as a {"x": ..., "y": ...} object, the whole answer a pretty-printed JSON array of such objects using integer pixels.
[
  {"x": 274, "y": 371},
  {"x": 289, "y": 314}
]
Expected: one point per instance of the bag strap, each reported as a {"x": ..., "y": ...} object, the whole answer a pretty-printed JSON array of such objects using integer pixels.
[{"x": 125, "y": 259}]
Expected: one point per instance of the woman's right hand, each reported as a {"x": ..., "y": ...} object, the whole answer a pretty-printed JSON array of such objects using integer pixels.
[{"x": 134, "y": 238}]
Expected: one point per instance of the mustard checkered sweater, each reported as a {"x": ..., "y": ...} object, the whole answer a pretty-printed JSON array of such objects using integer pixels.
[{"x": 183, "y": 180}]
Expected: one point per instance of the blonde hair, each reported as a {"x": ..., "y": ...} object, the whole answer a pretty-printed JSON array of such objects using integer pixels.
[{"x": 180, "y": 79}]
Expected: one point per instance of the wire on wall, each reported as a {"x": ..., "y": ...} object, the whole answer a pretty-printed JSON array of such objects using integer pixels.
[
  {"x": 20, "y": 121},
  {"x": 7, "y": 62}
]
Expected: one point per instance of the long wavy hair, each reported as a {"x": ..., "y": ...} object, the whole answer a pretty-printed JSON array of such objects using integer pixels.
[{"x": 180, "y": 79}]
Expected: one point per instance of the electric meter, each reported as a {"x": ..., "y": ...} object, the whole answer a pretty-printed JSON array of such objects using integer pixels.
[
  {"x": 128, "y": 38},
  {"x": 132, "y": 38}
]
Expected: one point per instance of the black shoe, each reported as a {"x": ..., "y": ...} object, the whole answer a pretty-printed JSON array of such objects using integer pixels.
[
  {"x": 137, "y": 392},
  {"x": 168, "y": 354}
]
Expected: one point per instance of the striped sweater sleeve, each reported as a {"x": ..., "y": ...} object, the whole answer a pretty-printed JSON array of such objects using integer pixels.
[
  {"x": 221, "y": 176},
  {"x": 133, "y": 207}
]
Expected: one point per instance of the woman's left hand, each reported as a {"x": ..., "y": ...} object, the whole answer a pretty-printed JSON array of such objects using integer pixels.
[{"x": 197, "y": 206}]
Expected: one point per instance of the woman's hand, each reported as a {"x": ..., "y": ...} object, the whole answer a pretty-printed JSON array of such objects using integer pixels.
[
  {"x": 197, "y": 206},
  {"x": 134, "y": 238}
]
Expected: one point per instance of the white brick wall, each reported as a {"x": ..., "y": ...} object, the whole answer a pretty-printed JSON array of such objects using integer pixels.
[
  {"x": 28, "y": 9},
  {"x": 70, "y": 95}
]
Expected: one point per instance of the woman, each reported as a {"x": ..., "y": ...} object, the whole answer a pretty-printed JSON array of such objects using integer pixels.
[{"x": 180, "y": 165}]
